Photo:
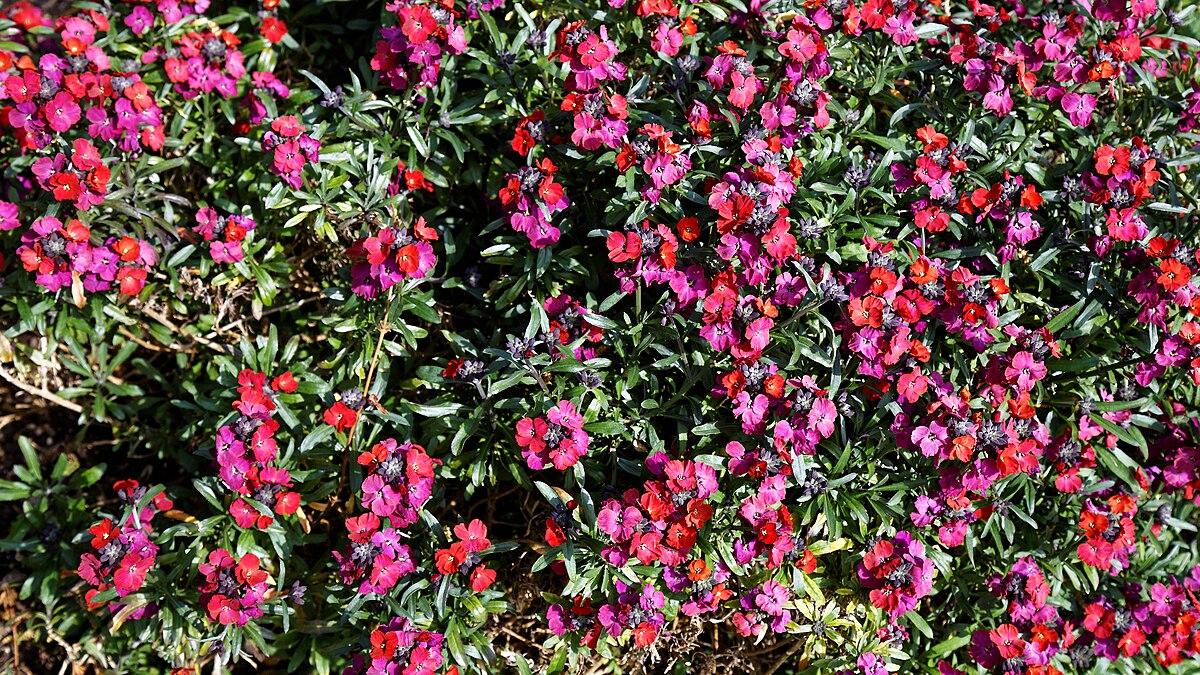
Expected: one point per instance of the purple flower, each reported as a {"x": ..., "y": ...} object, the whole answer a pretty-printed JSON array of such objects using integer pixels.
[
  {"x": 139, "y": 20},
  {"x": 1079, "y": 107}
]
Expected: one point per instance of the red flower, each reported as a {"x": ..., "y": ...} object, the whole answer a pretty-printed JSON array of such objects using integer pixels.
[
  {"x": 933, "y": 219},
  {"x": 645, "y": 634},
  {"x": 384, "y": 644},
  {"x": 1175, "y": 275},
  {"x": 807, "y": 562},
  {"x": 286, "y": 503},
  {"x": 417, "y": 23},
  {"x": 510, "y": 192},
  {"x": 132, "y": 280},
  {"x": 473, "y": 536},
  {"x": 974, "y": 313},
  {"x": 481, "y": 578},
  {"x": 866, "y": 311},
  {"x": 882, "y": 281},
  {"x": 448, "y": 559},
  {"x": 550, "y": 192},
  {"x": 1093, "y": 524},
  {"x": 285, "y": 383},
  {"x": 1008, "y": 641},
  {"x": 1131, "y": 642},
  {"x": 689, "y": 229},
  {"x": 408, "y": 259},
  {"x": 1096, "y": 553},
  {"x": 86, "y": 157},
  {"x": 592, "y": 51},
  {"x": 341, "y": 417},
  {"x": 131, "y": 573},
  {"x": 362, "y": 527},
  {"x": 734, "y": 213},
  {"x": 273, "y": 29},
  {"x": 127, "y": 248},
  {"x": 103, "y": 533},
  {"x": 288, "y": 126},
  {"x": 923, "y": 271},
  {"x": 932, "y": 139},
  {"x": 1112, "y": 161},
  {"x": 554, "y": 533},
  {"x": 912, "y": 385},
  {"x": 623, "y": 246},
  {"x": 523, "y": 142},
  {"x": 65, "y": 186}
]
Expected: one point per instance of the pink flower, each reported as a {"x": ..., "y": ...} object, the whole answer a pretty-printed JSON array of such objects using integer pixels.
[
  {"x": 131, "y": 573},
  {"x": 379, "y": 496},
  {"x": 593, "y": 52},
  {"x": 62, "y": 112},
  {"x": 822, "y": 416},
  {"x": 759, "y": 333},
  {"x": 8, "y": 216},
  {"x": 225, "y": 252},
  {"x": 473, "y": 536},
  {"x": 1025, "y": 371},
  {"x": 288, "y": 157},
  {"x": 530, "y": 433},
  {"x": 743, "y": 91},
  {"x": 912, "y": 385},
  {"x": 1079, "y": 107},
  {"x": 900, "y": 28}
]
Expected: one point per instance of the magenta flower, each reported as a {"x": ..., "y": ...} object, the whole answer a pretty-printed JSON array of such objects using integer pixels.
[
  {"x": 557, "y": 440},
  {"x": 62, "y": 112},
  {"x": 1025, "y": 370},
  {"x": 897, "y": 573},
  {"x": 1079, "y": 107},
  {"x": 8, "y": 216}
]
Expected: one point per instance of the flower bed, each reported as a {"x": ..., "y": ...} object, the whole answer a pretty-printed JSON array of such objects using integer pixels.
[{"x": 428, "y": 336}]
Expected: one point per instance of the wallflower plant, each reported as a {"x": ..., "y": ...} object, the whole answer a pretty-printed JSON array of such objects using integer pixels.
[{"x": 473, "y": 336}]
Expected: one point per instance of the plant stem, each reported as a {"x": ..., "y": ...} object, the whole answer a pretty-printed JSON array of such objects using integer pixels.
[{"x": 385, "y": 326}]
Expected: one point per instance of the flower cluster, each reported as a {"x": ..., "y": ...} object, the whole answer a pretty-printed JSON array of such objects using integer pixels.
[
  {"x": 463, "y": 556},
  {"x": 1109, "y": 532},
  {"x": 390, "y": 256},
  {"x": 844, "y": 290},
  {"x": 83, "y": 180},
  {"x": 555, "y": 439},
  {"x": 409, "y": 54},
  {"x": 204, "y": 62},
  {"x": 568, "y": 325},
  {"x": 400, "y": 647},
  {"x": 233, "y": 590},
  {"x": 1025, "y": 590},
  {"x": 399, "y": 481},
  {"x": 63, "y": 256},
  {"x": 246, "y": 452},
  {"x": 122, "y": 553},
  {"x": 659, "y": 524},
  {"x": 224, "y": 234},
  {"x": 529, "y": 198},
  {"x": 54, "y": 97},
  {"x": 897, "y": 573},
  {"x": 264, "y": 86},
  {"x": 590, "y": 55},
  {"x": 376, "y": 557},
  {"x": 291, "y": 148},
  {"x": 637, "y": 610},
  {"x": 762, "y": 609}
]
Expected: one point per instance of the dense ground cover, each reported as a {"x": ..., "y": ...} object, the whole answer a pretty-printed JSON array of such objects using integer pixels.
[{"x": 628, "y": 336}]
